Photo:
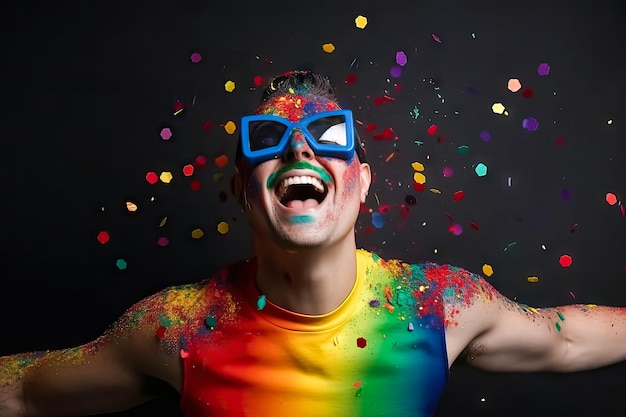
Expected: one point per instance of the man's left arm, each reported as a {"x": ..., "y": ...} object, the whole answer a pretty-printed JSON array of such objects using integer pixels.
[{"x": 497, "y": 334}]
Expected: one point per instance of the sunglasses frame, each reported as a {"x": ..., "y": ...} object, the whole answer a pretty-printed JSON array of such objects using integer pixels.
[{"x": 321, "y": 149}]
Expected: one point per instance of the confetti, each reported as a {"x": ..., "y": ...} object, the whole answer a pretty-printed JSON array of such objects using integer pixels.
[
  {"x": 487, "y": 270},
  {"x": 121, "y": 264},
  {"x": 165, "y": 177},
  {"x": 543, "y": 69},
  {"x": 361, "y": 342},
  {"x": 188, "y": 170},
  {"x": 163, "y": 241},
  {"x": 328, "y": 47},
  {"x": 498, "y": 108},
  {"x": 152, "y": 177},
  {"x": 611, "y": 199},
  {"x": 130, "y": 206},
  {"x": 481, "y": 170},
  {"x": 395, "y": 71},
  {"x": 378, "y": 220},
  {"x": 485, "y": 136},
  {"x": 258, "y": 81},
  {"x": 530, "y": 124},
  {"x": 565, "y": 261},
  {"x": 432, "y": 129},
  {"x": 436, "y": 38},
  {"x": 458, "y": 195},
  {"x": 103, "y": 237},
  {"x": 197, "y": 233},
  {"x": 230, "y": 127},
  {"x": 261, "y": 302},
  {"x": 514, "y": 85},
  {"x": 448, "y": 172},
  {"x": 196, "y": 185},
  {"x": 221, "y": 161},
  {"x": 360, "y": 22},
  {"x": 229, "y": 86},
  {"x": 419, "y": 178},
  {"x": 223, "y": 228},
  {"x": 532, "y": 279},
  {"x": 401, "y": 58},
  {"x": 195, "y": 57},
  {"x": 456, "y": 229},
  {"x": 166, "y": 133},
  {"x": 417, "y": 166}
]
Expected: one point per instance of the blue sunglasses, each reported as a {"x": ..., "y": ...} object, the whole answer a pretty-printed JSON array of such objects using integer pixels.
[{"x": 265, "y": 137}]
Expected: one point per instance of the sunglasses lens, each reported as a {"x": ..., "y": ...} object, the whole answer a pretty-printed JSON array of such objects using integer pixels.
[
  {"x": 329, "y": 130},
  {"x": 265, "y": 134}
]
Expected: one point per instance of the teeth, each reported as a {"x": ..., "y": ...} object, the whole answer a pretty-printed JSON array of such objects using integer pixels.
[{"x": 315, "y": 182}]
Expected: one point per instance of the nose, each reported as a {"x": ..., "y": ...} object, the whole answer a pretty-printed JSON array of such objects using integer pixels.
[{"x": 297, "y": 148}]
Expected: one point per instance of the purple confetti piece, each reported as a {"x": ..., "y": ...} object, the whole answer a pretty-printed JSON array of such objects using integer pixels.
[
  {"x": 485, "y": 136},
  {"x": 530, "y": 124},
  {"x": 401, "y": 58},
  {"x": 566, "y": 194},
  {"x": 395, "y": 71},
  {"x": 543, "y": 69}
]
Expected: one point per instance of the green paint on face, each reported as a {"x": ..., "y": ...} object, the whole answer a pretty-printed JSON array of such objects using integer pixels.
[
  {"x": 302, "y": 219},
  {"x": 558, "y": 326},
  {"x": 561, "y": 316},
  {"x": 273, "y": 179}
]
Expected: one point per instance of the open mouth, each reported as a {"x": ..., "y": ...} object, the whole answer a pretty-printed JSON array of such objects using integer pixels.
[{"x": 301, "y": 191}]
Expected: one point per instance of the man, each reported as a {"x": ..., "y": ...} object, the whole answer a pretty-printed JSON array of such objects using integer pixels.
[{"x": 311, "y": 326}]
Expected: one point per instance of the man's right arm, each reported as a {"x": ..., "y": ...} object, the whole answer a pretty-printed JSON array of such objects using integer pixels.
[{"x": 102, "y": 376}]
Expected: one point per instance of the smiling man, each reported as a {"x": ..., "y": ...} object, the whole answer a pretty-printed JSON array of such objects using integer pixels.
[{"x": 310, "y": 326}]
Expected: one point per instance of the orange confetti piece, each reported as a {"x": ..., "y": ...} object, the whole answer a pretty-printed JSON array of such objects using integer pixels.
[
  {"x": 388, "y": 293},
  {"x": 221, "y": 161}
]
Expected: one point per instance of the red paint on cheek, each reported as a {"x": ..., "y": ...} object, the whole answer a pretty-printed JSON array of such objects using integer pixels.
[{"x": 351, "y": 178}]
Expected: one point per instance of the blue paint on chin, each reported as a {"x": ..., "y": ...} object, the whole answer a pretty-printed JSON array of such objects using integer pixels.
[{"x": 302, "y": 219}]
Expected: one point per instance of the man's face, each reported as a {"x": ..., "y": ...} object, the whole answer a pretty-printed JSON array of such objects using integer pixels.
[{"x": 301, "y": 199}]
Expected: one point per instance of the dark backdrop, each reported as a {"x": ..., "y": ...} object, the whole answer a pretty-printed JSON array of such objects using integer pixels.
[{"x": 87, "y": 88}]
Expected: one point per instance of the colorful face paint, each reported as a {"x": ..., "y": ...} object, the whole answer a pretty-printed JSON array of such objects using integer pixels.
[{"x": 273, "y": 179}]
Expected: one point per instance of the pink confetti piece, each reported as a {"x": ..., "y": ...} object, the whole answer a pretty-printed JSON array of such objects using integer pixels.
[
  {"x": 436, "y": 38},
  {"x": 195, "y": 57},
  {"x": 401, "y": 58}
]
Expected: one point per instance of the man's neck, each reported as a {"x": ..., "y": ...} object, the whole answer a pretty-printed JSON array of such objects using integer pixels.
[{"x": 307, "y": 281}]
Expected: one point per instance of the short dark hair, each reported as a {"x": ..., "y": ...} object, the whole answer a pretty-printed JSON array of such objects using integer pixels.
[{"x": 302, "y": 83}]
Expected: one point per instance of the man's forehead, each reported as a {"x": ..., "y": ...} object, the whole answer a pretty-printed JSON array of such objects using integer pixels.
[{"x": 296, "y": 106}]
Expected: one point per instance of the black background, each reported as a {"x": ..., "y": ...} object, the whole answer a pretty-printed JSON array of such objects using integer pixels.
[{"x": 88, "y": 86}]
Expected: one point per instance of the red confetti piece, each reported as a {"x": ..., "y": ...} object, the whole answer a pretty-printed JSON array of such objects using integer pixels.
[
  {"x": 389, "y": 307},
  {"x": 432, "y": 129},
  {"x": 350, "y": 78},
  {"x": 528, "y": 93},
  {"x": 383, "y": 208},
  {"x": 103, "y": 237},
  {"x": 357, "y": 384},
  {"x": 184, "y": 354},
  {"x": 152, "y": 177},
  {"x": 418, "y": 187},
  {"x": 196, "y": 185},
  {"x": 474, "y": 226},
  {"x": 565, "y": 261},
  {"x": 163, "y": 241},
  {"x": 188, "y": 170},
  {"x": 160, "y": 333},
  {"x": 382, "y": 99},
  {"x": 386, "y": 134},
  {"x": 404, "y": 211},
  {"x": 370, "y": 127},
  {"x": 200, "y": 162},
  {"x": 361, "y": 342},
  {"x": 221, "y": 161},
  {"x": 559, "y": 141},
  {"x": 207, "y": 125},
  {"x": 258, "y": 80},
  {"x": 178, "y": 107},
  {"x": 458, "y": 196}
]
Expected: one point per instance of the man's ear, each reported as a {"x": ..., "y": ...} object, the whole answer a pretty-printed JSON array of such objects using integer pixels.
[{"x": 366, "y": 180}]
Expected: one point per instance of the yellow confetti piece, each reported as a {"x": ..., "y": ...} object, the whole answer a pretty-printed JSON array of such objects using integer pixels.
[
  {"x": 163, "y": 222},
  {"x": 218, "y": 176},
  {"x": 498, "y": 108},
  {"x": 328, "y": 47},
  {"x": 419, "y": 178},
  {"x": 360, "y": 21},
  {"x": 487, "y": 270},
  {"x": 417, "y": 166},
  {"x": 197, "y": 233},
  {"x": 166, "y": 177},
  {"x": 229, "y": 86},
  {"x": 434, "y": 190},
  {"x": 130, "y": 206},
  {"x": 230, "y": 127},
  {"x": 532, "y": 279},
  {"x": 223, "y": 228}
]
